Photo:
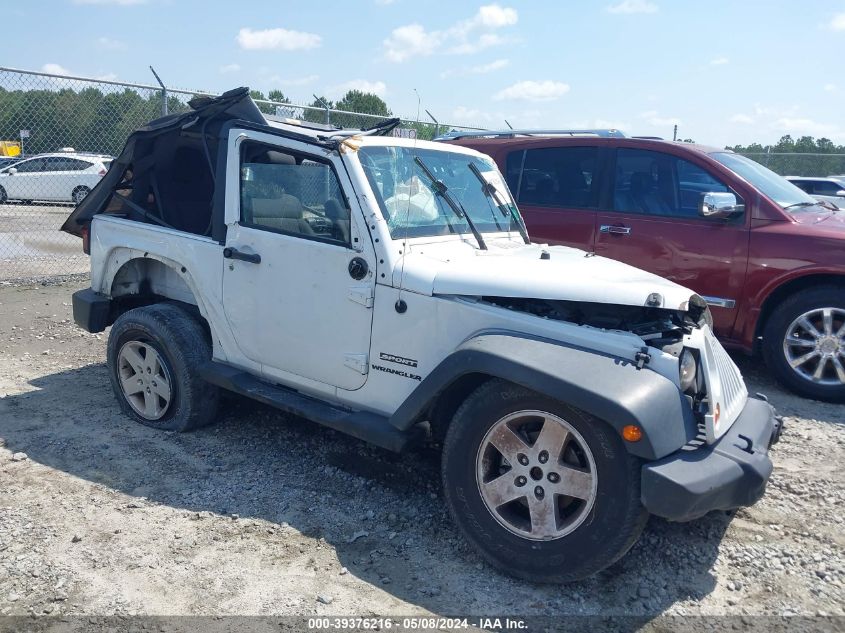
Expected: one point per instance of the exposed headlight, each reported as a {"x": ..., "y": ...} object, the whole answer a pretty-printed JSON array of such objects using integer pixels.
[{"x": 687, "y": 369}]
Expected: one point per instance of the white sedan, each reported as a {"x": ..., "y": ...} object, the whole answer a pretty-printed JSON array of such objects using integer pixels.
[{"x": 60, "y": 177}]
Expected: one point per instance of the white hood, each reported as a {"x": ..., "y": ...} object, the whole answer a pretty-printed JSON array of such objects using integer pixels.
[{"x": 510, "y": 269}]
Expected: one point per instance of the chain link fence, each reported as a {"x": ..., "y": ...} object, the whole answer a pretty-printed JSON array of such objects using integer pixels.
[
  {"x": 74, "y": 126},
  {"x": 69, "y": 129},
  {"x": 809, "y": 164}
]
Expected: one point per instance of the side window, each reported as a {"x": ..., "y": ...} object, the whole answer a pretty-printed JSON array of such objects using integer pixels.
[
  {"x": 803, "y": 185},
  {"x": 291, "y": 193},
  {"x": 560, "y": 177},
  {"x": 30, "y": 166},
  {"x": 654, "y": 183},
  {"x": 74, "y": 164},
  {"x": 62, "y": 163},
  {"x": 826, "y": 188}
]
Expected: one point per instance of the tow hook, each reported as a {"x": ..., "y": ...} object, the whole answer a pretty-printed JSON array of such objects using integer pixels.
[
  {"x": 749, "y": 444},
  {"x": 642, "y": 357},
  {"x": 779, "y": 424}
]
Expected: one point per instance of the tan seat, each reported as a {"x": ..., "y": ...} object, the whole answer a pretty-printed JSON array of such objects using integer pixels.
[{"x": 284, "y": 214}]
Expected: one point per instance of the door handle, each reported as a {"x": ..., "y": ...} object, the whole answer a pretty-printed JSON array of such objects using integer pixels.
[
  {"x": 615, "y": 229},
  {"x": 233, "y": 253}
]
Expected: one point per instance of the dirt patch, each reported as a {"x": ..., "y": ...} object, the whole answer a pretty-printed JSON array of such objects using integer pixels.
[{"x": 264, "y": 513}]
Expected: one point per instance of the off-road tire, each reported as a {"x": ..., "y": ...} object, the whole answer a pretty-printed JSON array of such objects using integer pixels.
[
  {"x": 183, "y": 346},
  {"x": 608, "y": 531},
  {"x": 830, "y": 296}
]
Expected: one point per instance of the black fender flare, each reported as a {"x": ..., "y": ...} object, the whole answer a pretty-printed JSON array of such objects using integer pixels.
[{"x": 607, "y": 387}]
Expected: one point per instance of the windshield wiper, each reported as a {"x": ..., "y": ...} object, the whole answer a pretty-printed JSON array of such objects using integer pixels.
[
  {"x": 442, "y": 190},
  {"x": 491, "y": 192},
  {"x": 800, "y": 204}
]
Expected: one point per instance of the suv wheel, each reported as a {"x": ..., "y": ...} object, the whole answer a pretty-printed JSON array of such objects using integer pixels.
[
  {"x": 153, "y": 356},
  {"x": 79, "y": 194},
  {"x": 542, "y": 490},
  {"x": 804, "y": 343}
]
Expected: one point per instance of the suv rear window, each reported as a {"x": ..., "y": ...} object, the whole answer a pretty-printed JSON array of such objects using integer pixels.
[{"x": 555, "y": 177}]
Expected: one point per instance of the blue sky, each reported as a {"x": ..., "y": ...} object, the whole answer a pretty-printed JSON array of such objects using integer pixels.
[{"x": 725, "y": 72}]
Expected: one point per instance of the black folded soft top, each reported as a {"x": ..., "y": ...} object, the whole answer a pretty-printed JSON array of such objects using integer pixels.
[{"x": 233, "y": 105}]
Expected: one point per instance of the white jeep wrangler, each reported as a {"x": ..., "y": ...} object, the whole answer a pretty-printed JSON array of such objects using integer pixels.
[{"x": 387, "y": 288}]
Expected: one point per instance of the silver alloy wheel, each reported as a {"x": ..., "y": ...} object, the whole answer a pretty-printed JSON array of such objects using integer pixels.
[
  {"x": 144, "y": 379},
  {"x": 814, "y": 346},
  {"x": 536, "y": 475},
  {"x": 80, "y": 194}
]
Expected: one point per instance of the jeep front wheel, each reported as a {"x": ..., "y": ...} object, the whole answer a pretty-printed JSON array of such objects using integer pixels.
[
  {"x": 542, "y": 490},
  {"x": 153, "y": 356}
]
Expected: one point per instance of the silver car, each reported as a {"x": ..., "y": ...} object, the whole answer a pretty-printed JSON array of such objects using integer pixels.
[{"x": 830, "y": 189}]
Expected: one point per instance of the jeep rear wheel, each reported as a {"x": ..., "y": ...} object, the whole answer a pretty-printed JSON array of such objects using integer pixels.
[
  {"x": 153, "y": 356},
  {"x": 804, "y": 343},
  {"x": 542, "y": 490}
]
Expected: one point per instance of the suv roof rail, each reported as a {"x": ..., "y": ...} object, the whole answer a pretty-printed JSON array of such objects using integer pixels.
[{"x": 456, "y": 134}]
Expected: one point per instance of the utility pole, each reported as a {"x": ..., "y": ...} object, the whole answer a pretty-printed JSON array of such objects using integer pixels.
[
  {"x": 163, "y": 92},
  {"x": 675, "y": 133}
]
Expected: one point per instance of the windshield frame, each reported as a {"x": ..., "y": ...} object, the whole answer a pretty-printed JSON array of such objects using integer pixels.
[
  {"x": 775, "y": 187},
  {"x": 402, "y": 174}
]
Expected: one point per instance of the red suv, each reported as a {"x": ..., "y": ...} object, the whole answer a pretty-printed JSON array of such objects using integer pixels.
[{"x": 768, "y": 258}]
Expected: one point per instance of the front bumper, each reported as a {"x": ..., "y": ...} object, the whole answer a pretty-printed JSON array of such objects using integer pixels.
[{"x": 727, "y": 474}]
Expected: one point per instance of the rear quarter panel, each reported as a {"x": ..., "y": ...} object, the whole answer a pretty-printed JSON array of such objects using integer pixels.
[{"x": 197, "y": 260}]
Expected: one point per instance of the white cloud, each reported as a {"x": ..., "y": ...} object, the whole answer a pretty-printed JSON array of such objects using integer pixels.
[
  {"x": 837, "y": 22},
  {"x": 495, "y": 16},
  {"x": 107, "y": 77},
  {"x": 741, "y": 118},
  {"x": 55, "y": 69},
  {"x": 109, "y": 44},
  {"x": 409, "y": 41},
  {"x": 633, "y": 6},
  {"x": 799, "y": 126},
  {"x": 467, "y": 115},
  {"x": 481, "y": 69},
  {"x": 122, "y": 3},
  {"x": 719, "y": 61},
  {"x": 489, "y": 68},
  {"x": 462, "y": 38},
  {"x": 230, "y": 68},
  {"x": 652, "y": 117},
  {"x": 533, "y": 91},
  {"x": 376, "y": 87},
  {"x": 277, "y": 39},
  {"x": 385, "y": 2},
  {"x": 830, "y": 88},
  {"x": 483, "y": 41}
]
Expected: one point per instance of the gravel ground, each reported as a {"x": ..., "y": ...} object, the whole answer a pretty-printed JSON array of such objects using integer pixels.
[{"x": 267, "y": 514}]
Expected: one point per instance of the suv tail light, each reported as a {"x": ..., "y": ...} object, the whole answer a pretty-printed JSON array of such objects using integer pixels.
[{"x": 86, "y": 239}]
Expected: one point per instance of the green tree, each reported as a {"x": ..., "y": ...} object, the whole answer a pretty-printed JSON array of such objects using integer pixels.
[
  {"x": 363, "y": 103},
  {"x": 278, "y": 96},
  {"x": 317, "y": 115}
]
